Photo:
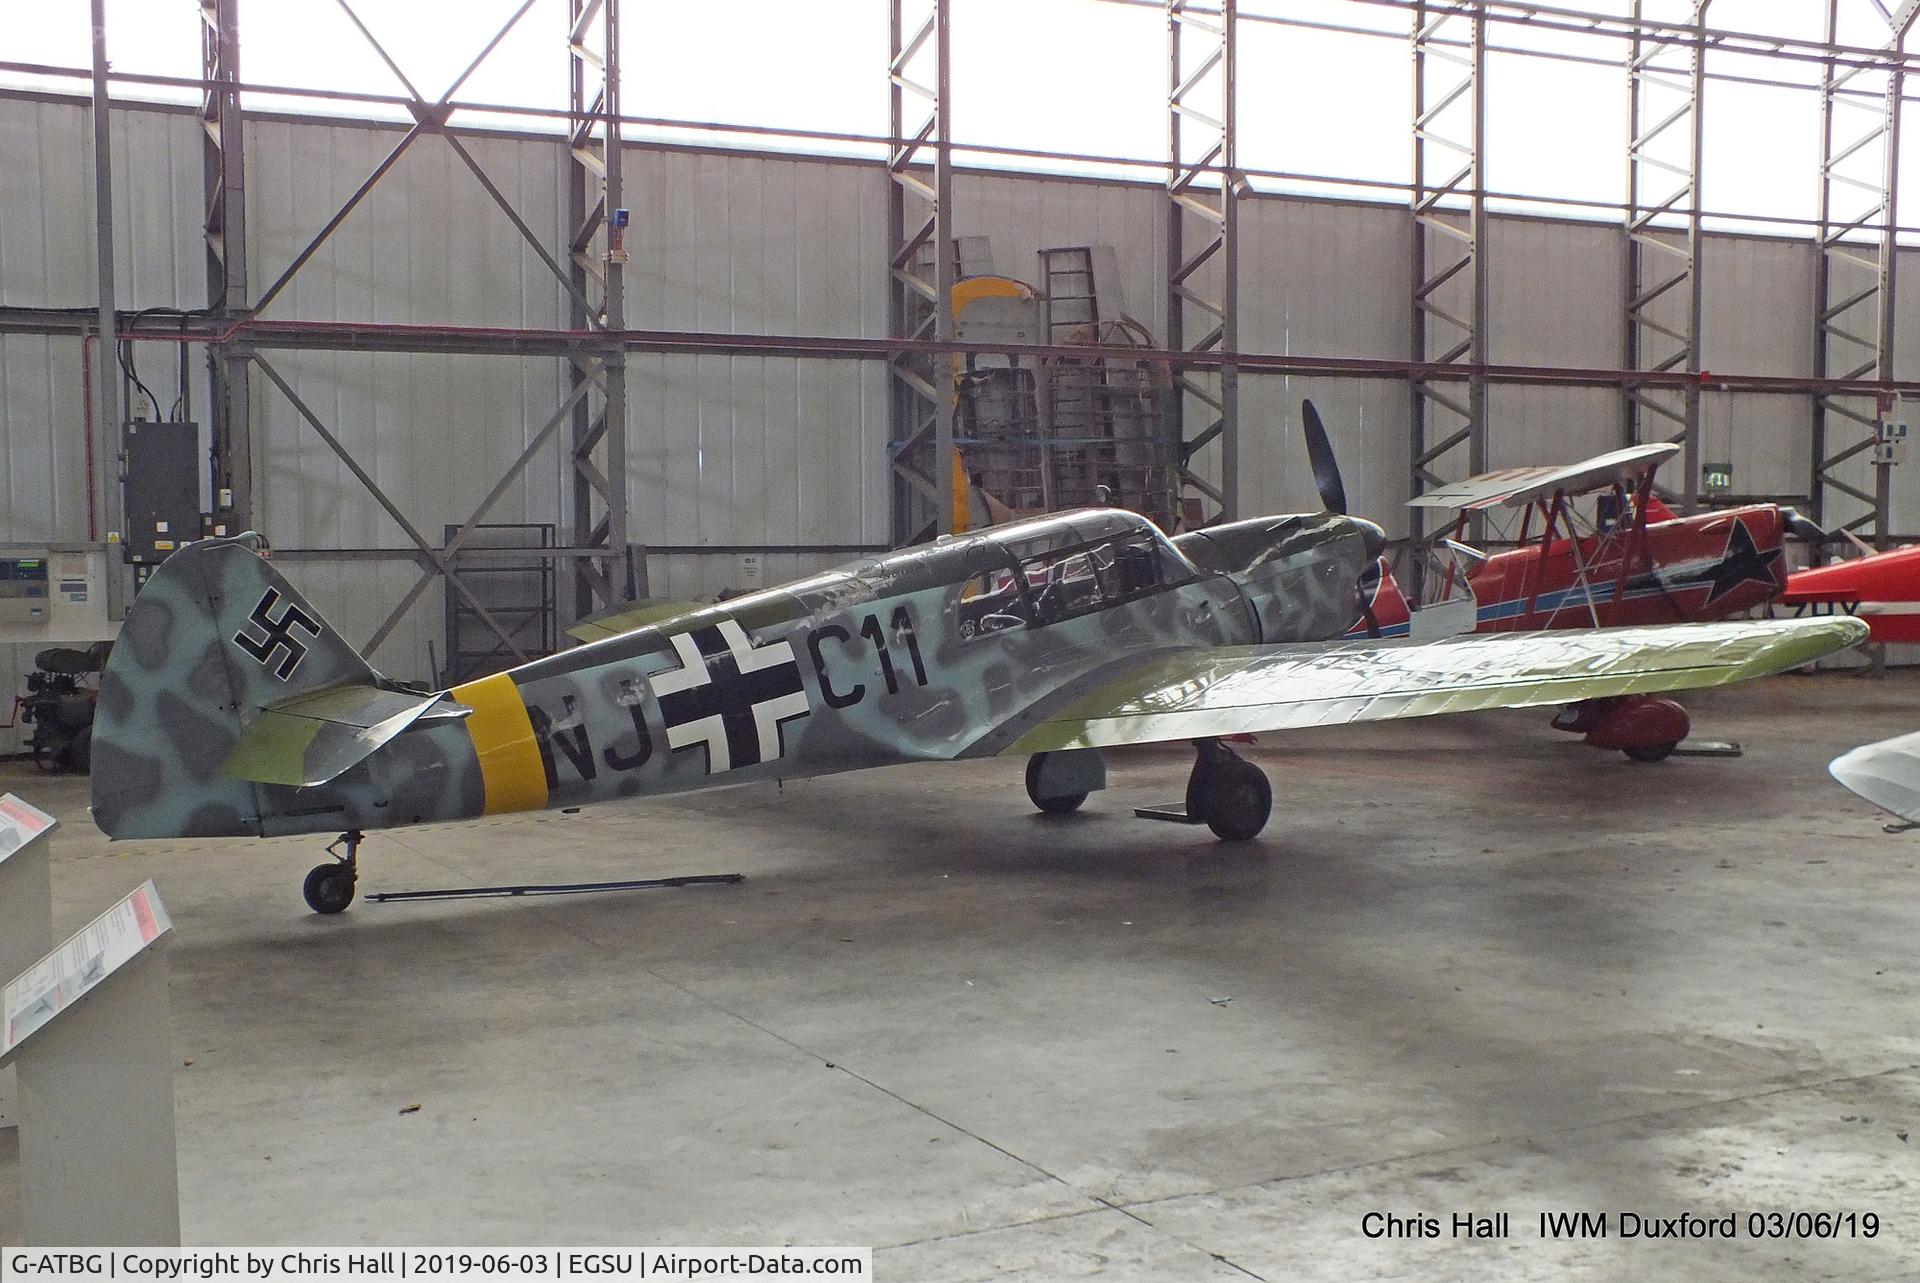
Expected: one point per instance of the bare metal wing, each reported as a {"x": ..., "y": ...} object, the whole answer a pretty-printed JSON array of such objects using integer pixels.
[
  {"x": 1197, "y": 693},
  {"x": 1887, "y": 774},
  {"x": 1518, "y": 487}
]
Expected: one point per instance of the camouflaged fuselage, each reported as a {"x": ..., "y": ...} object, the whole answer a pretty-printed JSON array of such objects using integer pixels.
[{"x": 884, "y": 661}]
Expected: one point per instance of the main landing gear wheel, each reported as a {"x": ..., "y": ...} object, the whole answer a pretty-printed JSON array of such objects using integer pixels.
[
  {"x": 1651, "y": 752},
  {"x": 329, "y": 888},
  {"x": 1227, "y": 793},
  {"x": 1061, "y": 804}
]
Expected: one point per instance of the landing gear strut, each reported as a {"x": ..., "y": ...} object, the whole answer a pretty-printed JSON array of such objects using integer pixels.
[
  {"x": 329, "y": 887},
  {"x": 1227, "y": 793}
]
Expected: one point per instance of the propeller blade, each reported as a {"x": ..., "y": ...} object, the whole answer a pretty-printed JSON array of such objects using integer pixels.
[
  {"x": 1326, "y": 469},
  {"x": 1803, "y": 528}
]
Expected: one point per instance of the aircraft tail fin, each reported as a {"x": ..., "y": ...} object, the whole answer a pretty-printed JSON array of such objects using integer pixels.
[{"x": 215, "y": 637}]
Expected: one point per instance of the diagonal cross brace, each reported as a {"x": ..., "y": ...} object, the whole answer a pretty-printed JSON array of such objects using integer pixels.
[{"x": 432, "y": 554}]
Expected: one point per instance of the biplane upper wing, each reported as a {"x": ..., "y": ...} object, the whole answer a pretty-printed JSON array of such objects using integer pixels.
[
  {"x": 1518, "y": 487},
  {"x": 1203, "y": 692}
]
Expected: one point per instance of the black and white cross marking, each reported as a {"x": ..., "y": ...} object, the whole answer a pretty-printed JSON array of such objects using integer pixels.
[
  {"x": 730, "y": 695},
  {"x": 278, "y": 634}
]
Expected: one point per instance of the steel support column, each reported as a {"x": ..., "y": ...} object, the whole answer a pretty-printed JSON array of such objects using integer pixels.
[
  {"x": 1854, "y": 279},
  {"x": 597, "y": 259},
  {"x": 1449, "y": 242},
  {"x": 920, "y": 270},
  {"x": 105, "y": 443},
  {"x": 223, "y": 168},
  {"x": 1203, "y": 271},
  {"x": 1664, "y": 283}
]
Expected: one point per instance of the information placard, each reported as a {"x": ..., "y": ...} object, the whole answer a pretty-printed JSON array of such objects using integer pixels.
[
  {"x": 20, "y": 823},
  {"x": 64, "y": 976}
]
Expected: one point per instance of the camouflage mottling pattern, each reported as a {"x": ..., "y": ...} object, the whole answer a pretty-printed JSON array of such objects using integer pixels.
[
  {"x": 875, "y": 648},
  {"x": 177, "y": 692}
]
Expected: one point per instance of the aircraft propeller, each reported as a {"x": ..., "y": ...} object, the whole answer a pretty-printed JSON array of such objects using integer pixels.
[
  {"x": 1333, "y": 498},
  {"x": 1802, "y": 527},
  {"x": 1326, "y": 468}
]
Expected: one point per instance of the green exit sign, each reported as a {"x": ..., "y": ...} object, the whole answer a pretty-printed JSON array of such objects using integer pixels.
[{"x": 1716, "y": 478}]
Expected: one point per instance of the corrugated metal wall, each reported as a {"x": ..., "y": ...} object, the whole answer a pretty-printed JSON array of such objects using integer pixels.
[{"x": 769, "y": 453}]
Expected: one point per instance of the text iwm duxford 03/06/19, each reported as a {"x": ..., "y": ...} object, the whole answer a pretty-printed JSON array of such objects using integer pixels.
[{"x": 231, "y": 708}]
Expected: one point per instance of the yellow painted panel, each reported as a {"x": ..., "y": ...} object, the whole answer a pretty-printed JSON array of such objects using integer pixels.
[{"x": 503, "y": 741}]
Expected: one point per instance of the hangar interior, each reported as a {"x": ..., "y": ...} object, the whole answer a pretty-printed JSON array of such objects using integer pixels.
[{"x": 480, "y": 369}]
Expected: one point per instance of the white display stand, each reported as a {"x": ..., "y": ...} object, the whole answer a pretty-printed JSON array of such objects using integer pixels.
[
  {"x": 26, "y": 907},
  {"x": 86, "y": 1026}
]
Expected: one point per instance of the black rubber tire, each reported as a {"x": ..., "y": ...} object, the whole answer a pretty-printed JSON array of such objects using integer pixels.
[
  {"x": 1658, "y": 753},
  {"x": 1237, "y": 800},
  {"x": 329, "y": 888},
  {"x": 1063, "y": 805}
]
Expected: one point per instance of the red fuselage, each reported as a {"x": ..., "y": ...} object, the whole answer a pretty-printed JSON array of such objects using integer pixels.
[{"x": 1703, "y": 567}]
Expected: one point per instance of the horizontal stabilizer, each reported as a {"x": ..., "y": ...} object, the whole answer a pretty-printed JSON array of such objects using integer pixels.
[
  {"x": 624, "y": 618},
  {"x": 319, "y": 736}
]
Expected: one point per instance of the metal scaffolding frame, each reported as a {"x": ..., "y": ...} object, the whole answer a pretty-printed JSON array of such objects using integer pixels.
[
  {"x": 598, "y": 552},
  {"x": 1203, "y": 272},
  {"x": 1668, "y": 61},
  {"x": 920, "y": 269},
  {"x": 606, "y": 570},
  {"x": 1448, "y": 202},
  {"x": 223, "y": 167},
  {"x": 1664, "y": 284},
  {"x": 1854, "y": 280}
]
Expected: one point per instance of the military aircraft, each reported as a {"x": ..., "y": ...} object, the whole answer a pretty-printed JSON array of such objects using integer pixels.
[
  {"x": 1630, "y": 560},
  {"x": 230, "y": 708}
]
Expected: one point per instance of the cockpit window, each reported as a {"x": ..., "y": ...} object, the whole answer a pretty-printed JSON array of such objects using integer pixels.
[
  {"x": 991, "y": 602},
  {"x": 1050, "y": 578},
  {"x": 1104, "y": 573}
]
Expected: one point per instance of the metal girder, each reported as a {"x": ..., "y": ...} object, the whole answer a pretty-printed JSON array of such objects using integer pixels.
[
  {"x": 442, "y": 562},
  {"x": 223, "y": 170},
  {"x": 920, "y": 269},
  {"x": 596, "y": 283},
  {"x": 104, "y": 442},
  {"x": 1664, "y": 281},
  {"x": 1854, "y": 276},
  {"x": 1203, "y": 270},
  {"x": 1449, "y": 241}
]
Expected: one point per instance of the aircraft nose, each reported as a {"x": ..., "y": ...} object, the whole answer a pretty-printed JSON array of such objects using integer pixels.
[{"x": 1375, "y": 537}]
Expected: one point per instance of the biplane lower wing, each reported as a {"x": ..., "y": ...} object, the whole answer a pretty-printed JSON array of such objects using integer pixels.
[{"x": 1201, "y": 693}]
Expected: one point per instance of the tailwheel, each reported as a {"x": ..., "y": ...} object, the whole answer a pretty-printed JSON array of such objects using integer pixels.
[
  {"x": 1227, "y": 793},
  {"x": 329, "y": 888}
]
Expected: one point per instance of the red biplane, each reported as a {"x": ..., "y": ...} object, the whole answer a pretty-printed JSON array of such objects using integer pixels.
[{"x": 1625, "y": 559}]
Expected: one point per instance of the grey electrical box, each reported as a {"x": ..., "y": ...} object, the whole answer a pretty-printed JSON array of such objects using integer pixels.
[
  {"x": 23, "y": 590},
  {"x": 160, "y": 479}
]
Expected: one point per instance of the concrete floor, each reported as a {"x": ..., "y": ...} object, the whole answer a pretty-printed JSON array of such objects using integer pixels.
[{"x": 1473, "y": 966}]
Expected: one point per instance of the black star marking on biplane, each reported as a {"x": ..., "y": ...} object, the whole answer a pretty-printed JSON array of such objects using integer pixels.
[
  {"x": 277, "y": 634},
  {"x": 1742, "y": 563},
  {"x": 730, "y": 696}
]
